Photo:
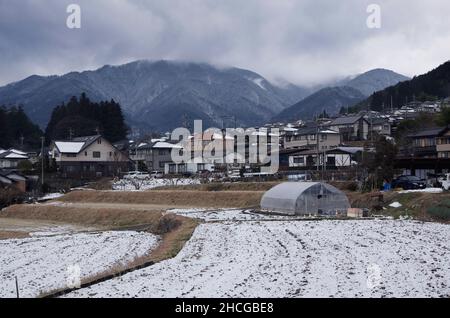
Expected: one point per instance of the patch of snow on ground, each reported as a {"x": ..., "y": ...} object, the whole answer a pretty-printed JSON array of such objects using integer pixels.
[
  {"x": 51, "y": 196},
  {"x": 297, "y": 259},
  {"x": 426, "y": 190},
  {"x": 142, "y": 185},
  {"x": 41, "y": 264},
  {"x": 395, "y": 205}
]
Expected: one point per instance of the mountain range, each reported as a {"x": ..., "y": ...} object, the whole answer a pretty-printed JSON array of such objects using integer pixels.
[
  {"x": 346, "y": 93},
  {"x": 433, "y": 85},
  {"x": 162, "y": 95}
]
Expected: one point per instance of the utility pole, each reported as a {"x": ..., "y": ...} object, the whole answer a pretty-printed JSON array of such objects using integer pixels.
[
  {"x": 318, "y": 150},
  {"x": 42, "y": 160},
  {"x": 136, "y": 167}
]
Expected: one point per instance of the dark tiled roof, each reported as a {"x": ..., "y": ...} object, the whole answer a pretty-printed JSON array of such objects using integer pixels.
[
  {"x": 428, "y": 133},
  {"x": 345, "y": 120}
]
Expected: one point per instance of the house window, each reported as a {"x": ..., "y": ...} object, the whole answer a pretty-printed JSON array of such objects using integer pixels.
[
  {"x": 200, "y": 166},
  {"x": 182, "y": 168},
  {"x": 110, "y": 154},
  {"x": 71, "y": 155},
  {"x": 299, "y": 160},
  {"x": 172, "y": 168},
  {"x": 99, "y": 141},
  {"x": 331, "y": 161},
  {"x": 85, "y": 153},
  {"x": 96, "y": 154}
]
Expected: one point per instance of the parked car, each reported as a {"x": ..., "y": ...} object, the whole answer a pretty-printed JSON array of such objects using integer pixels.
[
  {"x": 409, "y": 183},
  {"x": 136, "y": 175},
  {"x": 157, "y": 174},
  {"x": 445, "y": 181}
]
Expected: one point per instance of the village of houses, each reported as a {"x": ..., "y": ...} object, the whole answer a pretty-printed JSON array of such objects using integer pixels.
[
  {"x": 166, "y": 226},
  {"x": 330, "y": 144}
]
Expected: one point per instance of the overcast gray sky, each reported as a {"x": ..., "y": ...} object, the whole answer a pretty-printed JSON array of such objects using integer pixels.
[{"x": 302, "y": 41}]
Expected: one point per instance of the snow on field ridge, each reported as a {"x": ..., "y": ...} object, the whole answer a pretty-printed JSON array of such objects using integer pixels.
[
  {"x": 147, "y": 184},
  {"x": 41, "y": 264},
  {"x": 298, "y": 259}
]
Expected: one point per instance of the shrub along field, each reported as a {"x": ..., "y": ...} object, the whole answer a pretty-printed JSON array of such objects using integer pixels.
[{"x": 421, "y": 206}]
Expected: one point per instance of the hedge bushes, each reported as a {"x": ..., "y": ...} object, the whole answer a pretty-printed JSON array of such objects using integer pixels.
[{"x": 441, "y": 210}]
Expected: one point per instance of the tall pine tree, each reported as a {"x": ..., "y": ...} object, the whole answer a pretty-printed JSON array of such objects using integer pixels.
[{"x": 82, "y": 117}]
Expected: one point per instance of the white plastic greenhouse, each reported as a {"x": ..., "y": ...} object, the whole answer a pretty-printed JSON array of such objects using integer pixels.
[{"x": 305, "y": 198}]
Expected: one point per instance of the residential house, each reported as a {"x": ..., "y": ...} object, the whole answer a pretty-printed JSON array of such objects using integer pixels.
[
  {"x": 380, "y": 126},
  {"x": 88, "y": 157},
  {"x": 312, "y": 138},
  {"x": 160, "y": 155},
  {"x": 443, "y": 143},
  {"x": 423, "y": 143},
  {"x": 351, "y": 128},
  {"x": 14, "y": 179},
  {"x": 9, "y": 159},
  {"x": 333, "y": 158}
]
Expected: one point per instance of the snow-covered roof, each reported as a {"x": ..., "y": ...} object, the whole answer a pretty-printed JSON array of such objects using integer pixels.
[
  {"x": 76, "y": 145},
  {"x": 163, "y": 144},
  {"x": 328, "y": 131},
  {"x": 12, "y": 155},
  {"x": 352, "y": 150},
  {"x": 18, "y": 152},
  {"x": 69, "y": 146},
  {"x": 289, "y": 129},
  {"x": 15, "y": 156}
]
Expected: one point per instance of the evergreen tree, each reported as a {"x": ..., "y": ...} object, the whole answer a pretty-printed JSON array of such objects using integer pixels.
[
  {"x": 17, "y": 130},
  {"x": 82, "y": 117}
]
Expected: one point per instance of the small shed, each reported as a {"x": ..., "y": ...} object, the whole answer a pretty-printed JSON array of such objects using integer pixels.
[{"x": 305, "y": 198}]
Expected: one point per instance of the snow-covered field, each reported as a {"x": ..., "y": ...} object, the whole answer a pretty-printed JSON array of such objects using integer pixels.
[
  {"x": 373, "y": 258},
  {"x": 147, "y": 184},
  {"x": 46, "y": 263},
  {"x": 211, "y": 215}
]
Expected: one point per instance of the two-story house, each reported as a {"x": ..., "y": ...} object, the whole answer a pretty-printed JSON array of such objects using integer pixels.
[
  {"x": 443, "y": 143},
  {"x": 88, "y": 157},
  {"x": 312, "y": 138},
  {"x": 380, "y": 126},
  {"x": 351, "y": 128},
  {"x": 423, "y": 143}
]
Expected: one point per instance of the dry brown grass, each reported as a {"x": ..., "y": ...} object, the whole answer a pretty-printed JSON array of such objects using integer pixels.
[
  {"x": 235, "y": 186},
  {"x": 173, "y": 241},
  {"x": 171, "y": 198},
  {"x": 5, "y": 235},
  {"x": 83, "y": 216}
]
